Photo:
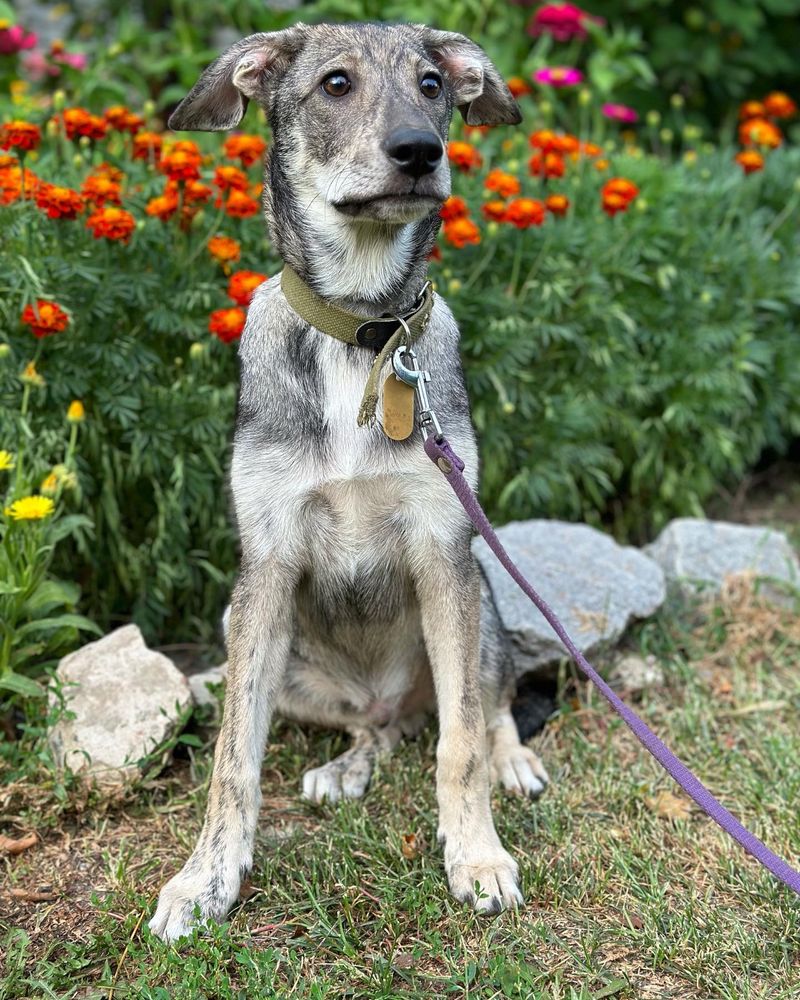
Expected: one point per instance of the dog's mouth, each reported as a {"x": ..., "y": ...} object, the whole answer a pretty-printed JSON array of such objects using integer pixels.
[{"x": 404, "y": 207}]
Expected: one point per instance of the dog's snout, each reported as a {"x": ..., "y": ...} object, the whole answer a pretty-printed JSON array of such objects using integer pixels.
[{"x": 414, "y": 151}]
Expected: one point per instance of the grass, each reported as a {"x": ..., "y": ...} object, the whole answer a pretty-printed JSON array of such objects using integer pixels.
[{"x": 626, "y": 899}]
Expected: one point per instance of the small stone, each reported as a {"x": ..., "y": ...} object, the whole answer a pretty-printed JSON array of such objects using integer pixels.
[
  {"x": 595, "y": 586},
  {"x": 697, "y": 555},
  {"x": 198, "y": 683},
  {"x": 122, "y": 701},
  {"x": 632, "y": 673}
]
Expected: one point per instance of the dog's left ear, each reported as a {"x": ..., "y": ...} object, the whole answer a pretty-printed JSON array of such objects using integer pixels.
[
  {"x": 218, "y": 100},
  {"x": 480, "y": 92}
]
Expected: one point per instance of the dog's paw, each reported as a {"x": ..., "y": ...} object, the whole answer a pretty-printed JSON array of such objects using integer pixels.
[
  {"x": 489, "y": 885},
  {"x": 210, "y": 891},
  {"x": 519, "y": 770},
  {"x": 345, "y": 777}
]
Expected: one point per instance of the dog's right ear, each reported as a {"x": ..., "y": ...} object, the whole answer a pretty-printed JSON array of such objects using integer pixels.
[{"x": 218, "y": 100}]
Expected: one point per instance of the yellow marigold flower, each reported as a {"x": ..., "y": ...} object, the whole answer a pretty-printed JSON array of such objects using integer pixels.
[
  {"x": 76, "y": 412},
  {"x": 6, "y": 461},
  {"x": 31, "y": 508},
  {"x": 49, "y": 485},
  {"x": 31, "y": 376}
]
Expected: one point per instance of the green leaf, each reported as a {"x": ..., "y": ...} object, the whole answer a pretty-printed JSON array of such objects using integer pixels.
[
  {"x": 60, "y": 621},
  {"x": 19, "y": 684},
  {"x": 50, "y": 594}
]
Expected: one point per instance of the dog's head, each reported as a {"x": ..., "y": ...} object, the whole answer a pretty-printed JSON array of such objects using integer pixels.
[{"x": 359, "y": 112}]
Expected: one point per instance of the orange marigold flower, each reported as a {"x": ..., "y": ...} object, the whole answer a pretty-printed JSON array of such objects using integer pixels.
[
  {"x": 524, "y": 212},
  {"x": 495, "y": 211},
  {"x": 546, "y": 165},
  {"x": 601, "y": 165},
  {"x": 590, "y": 149},
  {"x": 22, "y": 135},
  {"x": 565, "y": 144},
  {"x": 453, "y": 208},
  {"x": 163, "y": 207},
  {"x": 543, "y": 138},
  {"x": 230, "y": 179},
  {"x": 751, "y": 109},
  {"x": 613, "y": 203},
  {"x": 227, "y": 324},
  {"x": 78, "y": 122},
  {"x": 242, "y": 284},
  {"x": 240, "y": 205},
  {"x": 111, "y": 223},
  {"x": 196, "y": 191},
  {"x": 224, "y": 249},
  {"x": 147, "y": 145},
  {"x": 100, "y": 188},
  {"x": 123, "y": 120},
  {"x": 503, "y": 183},
  {"x": 620, "y": 186},
  {"x": 247, "y": 148},
  {"x": 760, "y": 132},
  {"x": 518, "y": 86},
  {"x": 59, "y": 202},
  {"x": 750, "y": 160},
  {"x": 45, "y": 318},
  {"x": 11, "y": 184},
  {"x": 557, "y": 204},
  {"x": 181, "y": 165},
  {"x": 463, "y": 155},
  {"x": 461, "y": 231},
  {"x": 779, "y": 105}
]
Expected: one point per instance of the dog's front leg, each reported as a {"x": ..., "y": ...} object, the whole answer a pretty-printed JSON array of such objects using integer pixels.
[
  {"x": 258, "y": 646},
  {"x": 449, "y": 593}
]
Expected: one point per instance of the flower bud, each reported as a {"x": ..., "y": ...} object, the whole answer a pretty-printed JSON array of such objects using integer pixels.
[
  {"x": 77, "y": 160},
  {"x": 666, "y": 135},
  {"x": 653, "y": 118},
  {"x": 149, "y": 108},
  {"x": 5, "y": 350},
  {"x": 84, "y": 141},
  {"x": 677, "y": 100},
  {"x": 76, "y": 413},
  {"x": 115, "y": 50},
  {"x": 59, "y": 100},
  {"x": 454, "y": 285},
  {"x": 584, "y": 96},
  {"x": 197, "y": 350}
]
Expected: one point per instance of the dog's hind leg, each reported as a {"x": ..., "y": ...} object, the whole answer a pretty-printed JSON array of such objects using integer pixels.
[
  {"x": 261, "y": 623},
  {"x": 511, "y": 763},
  {"x": 348, "y": 775}
]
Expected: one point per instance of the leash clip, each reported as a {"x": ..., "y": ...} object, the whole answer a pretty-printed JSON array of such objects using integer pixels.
[{"x": 416, "y": 378}]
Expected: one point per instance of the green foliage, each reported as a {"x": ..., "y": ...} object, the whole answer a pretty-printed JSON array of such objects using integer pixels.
[{"x": 37, "y": 618}]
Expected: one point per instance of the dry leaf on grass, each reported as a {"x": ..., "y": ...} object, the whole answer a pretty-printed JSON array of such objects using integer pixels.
[
  {"x": 40, "y": 895},
  {"x": 669, "y": 806},
  {"x": 9, "y": 845},
  {"x": 404, "y": 960},
  {"x": 412, "y": 846}
]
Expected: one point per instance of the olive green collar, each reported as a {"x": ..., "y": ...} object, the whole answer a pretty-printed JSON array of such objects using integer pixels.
[{"x": 383, "y": 334}]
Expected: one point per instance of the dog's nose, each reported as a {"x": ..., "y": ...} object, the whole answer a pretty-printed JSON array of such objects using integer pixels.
[{"x": 415, "y": 151}]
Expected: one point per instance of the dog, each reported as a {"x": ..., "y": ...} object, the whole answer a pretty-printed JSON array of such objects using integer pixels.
[{"x": 359, "y": 604}]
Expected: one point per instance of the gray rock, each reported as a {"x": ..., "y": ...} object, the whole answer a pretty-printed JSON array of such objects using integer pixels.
[
  {"x": 126, "y": 699},
  {"x": 595, "y": 586},
  {"x": 199, "y": 682},
  {"x": 698, "y": 554}
]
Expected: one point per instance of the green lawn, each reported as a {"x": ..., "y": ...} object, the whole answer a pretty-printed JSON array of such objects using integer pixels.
[{"x": 624, "y": 899}]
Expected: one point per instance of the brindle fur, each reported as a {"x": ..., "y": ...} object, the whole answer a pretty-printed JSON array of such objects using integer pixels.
[{"x": 359, "y": 604}]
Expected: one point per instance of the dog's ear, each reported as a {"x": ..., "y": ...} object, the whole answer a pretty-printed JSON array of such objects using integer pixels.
[
  {"x": 218, "y": 100},
  {"x": 480, "y": 92}
]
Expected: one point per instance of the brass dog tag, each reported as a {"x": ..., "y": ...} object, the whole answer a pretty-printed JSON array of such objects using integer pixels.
[{"x": 398, "y": 408}]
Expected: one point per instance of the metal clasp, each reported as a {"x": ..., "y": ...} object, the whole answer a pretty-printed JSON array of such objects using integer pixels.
[{"x": 416, "y": 378}]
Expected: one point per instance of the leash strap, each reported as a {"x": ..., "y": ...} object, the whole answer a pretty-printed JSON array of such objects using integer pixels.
[{"x": 452, "y": 467}]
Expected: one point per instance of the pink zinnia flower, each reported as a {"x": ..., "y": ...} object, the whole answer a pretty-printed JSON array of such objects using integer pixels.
[
  {"x": 620, "y": 113},
  {"x": 77, "y": 60},
  {"x": 37, "y": 66},
  {"x": 14, "y": 39},
  {"x": 558, "y": 76},
  {"x": 561, "y": 20}
]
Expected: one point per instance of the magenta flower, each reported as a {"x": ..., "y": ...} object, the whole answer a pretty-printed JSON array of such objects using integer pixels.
[
  {"x": 77, "y": 60},
  {"x": 620, "y": 113},
  {"x": 561, "y": 20},
  {"x": 558, "y": 76},
  {"x": 14, "y": 39}
]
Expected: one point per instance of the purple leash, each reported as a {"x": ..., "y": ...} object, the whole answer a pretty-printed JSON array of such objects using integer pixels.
[{"x": 452, "y": 467}]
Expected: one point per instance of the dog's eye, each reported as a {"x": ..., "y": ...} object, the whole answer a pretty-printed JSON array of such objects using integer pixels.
[
  {"x": 430, "y": 85},
  {"x": 337, "y": 84}
]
